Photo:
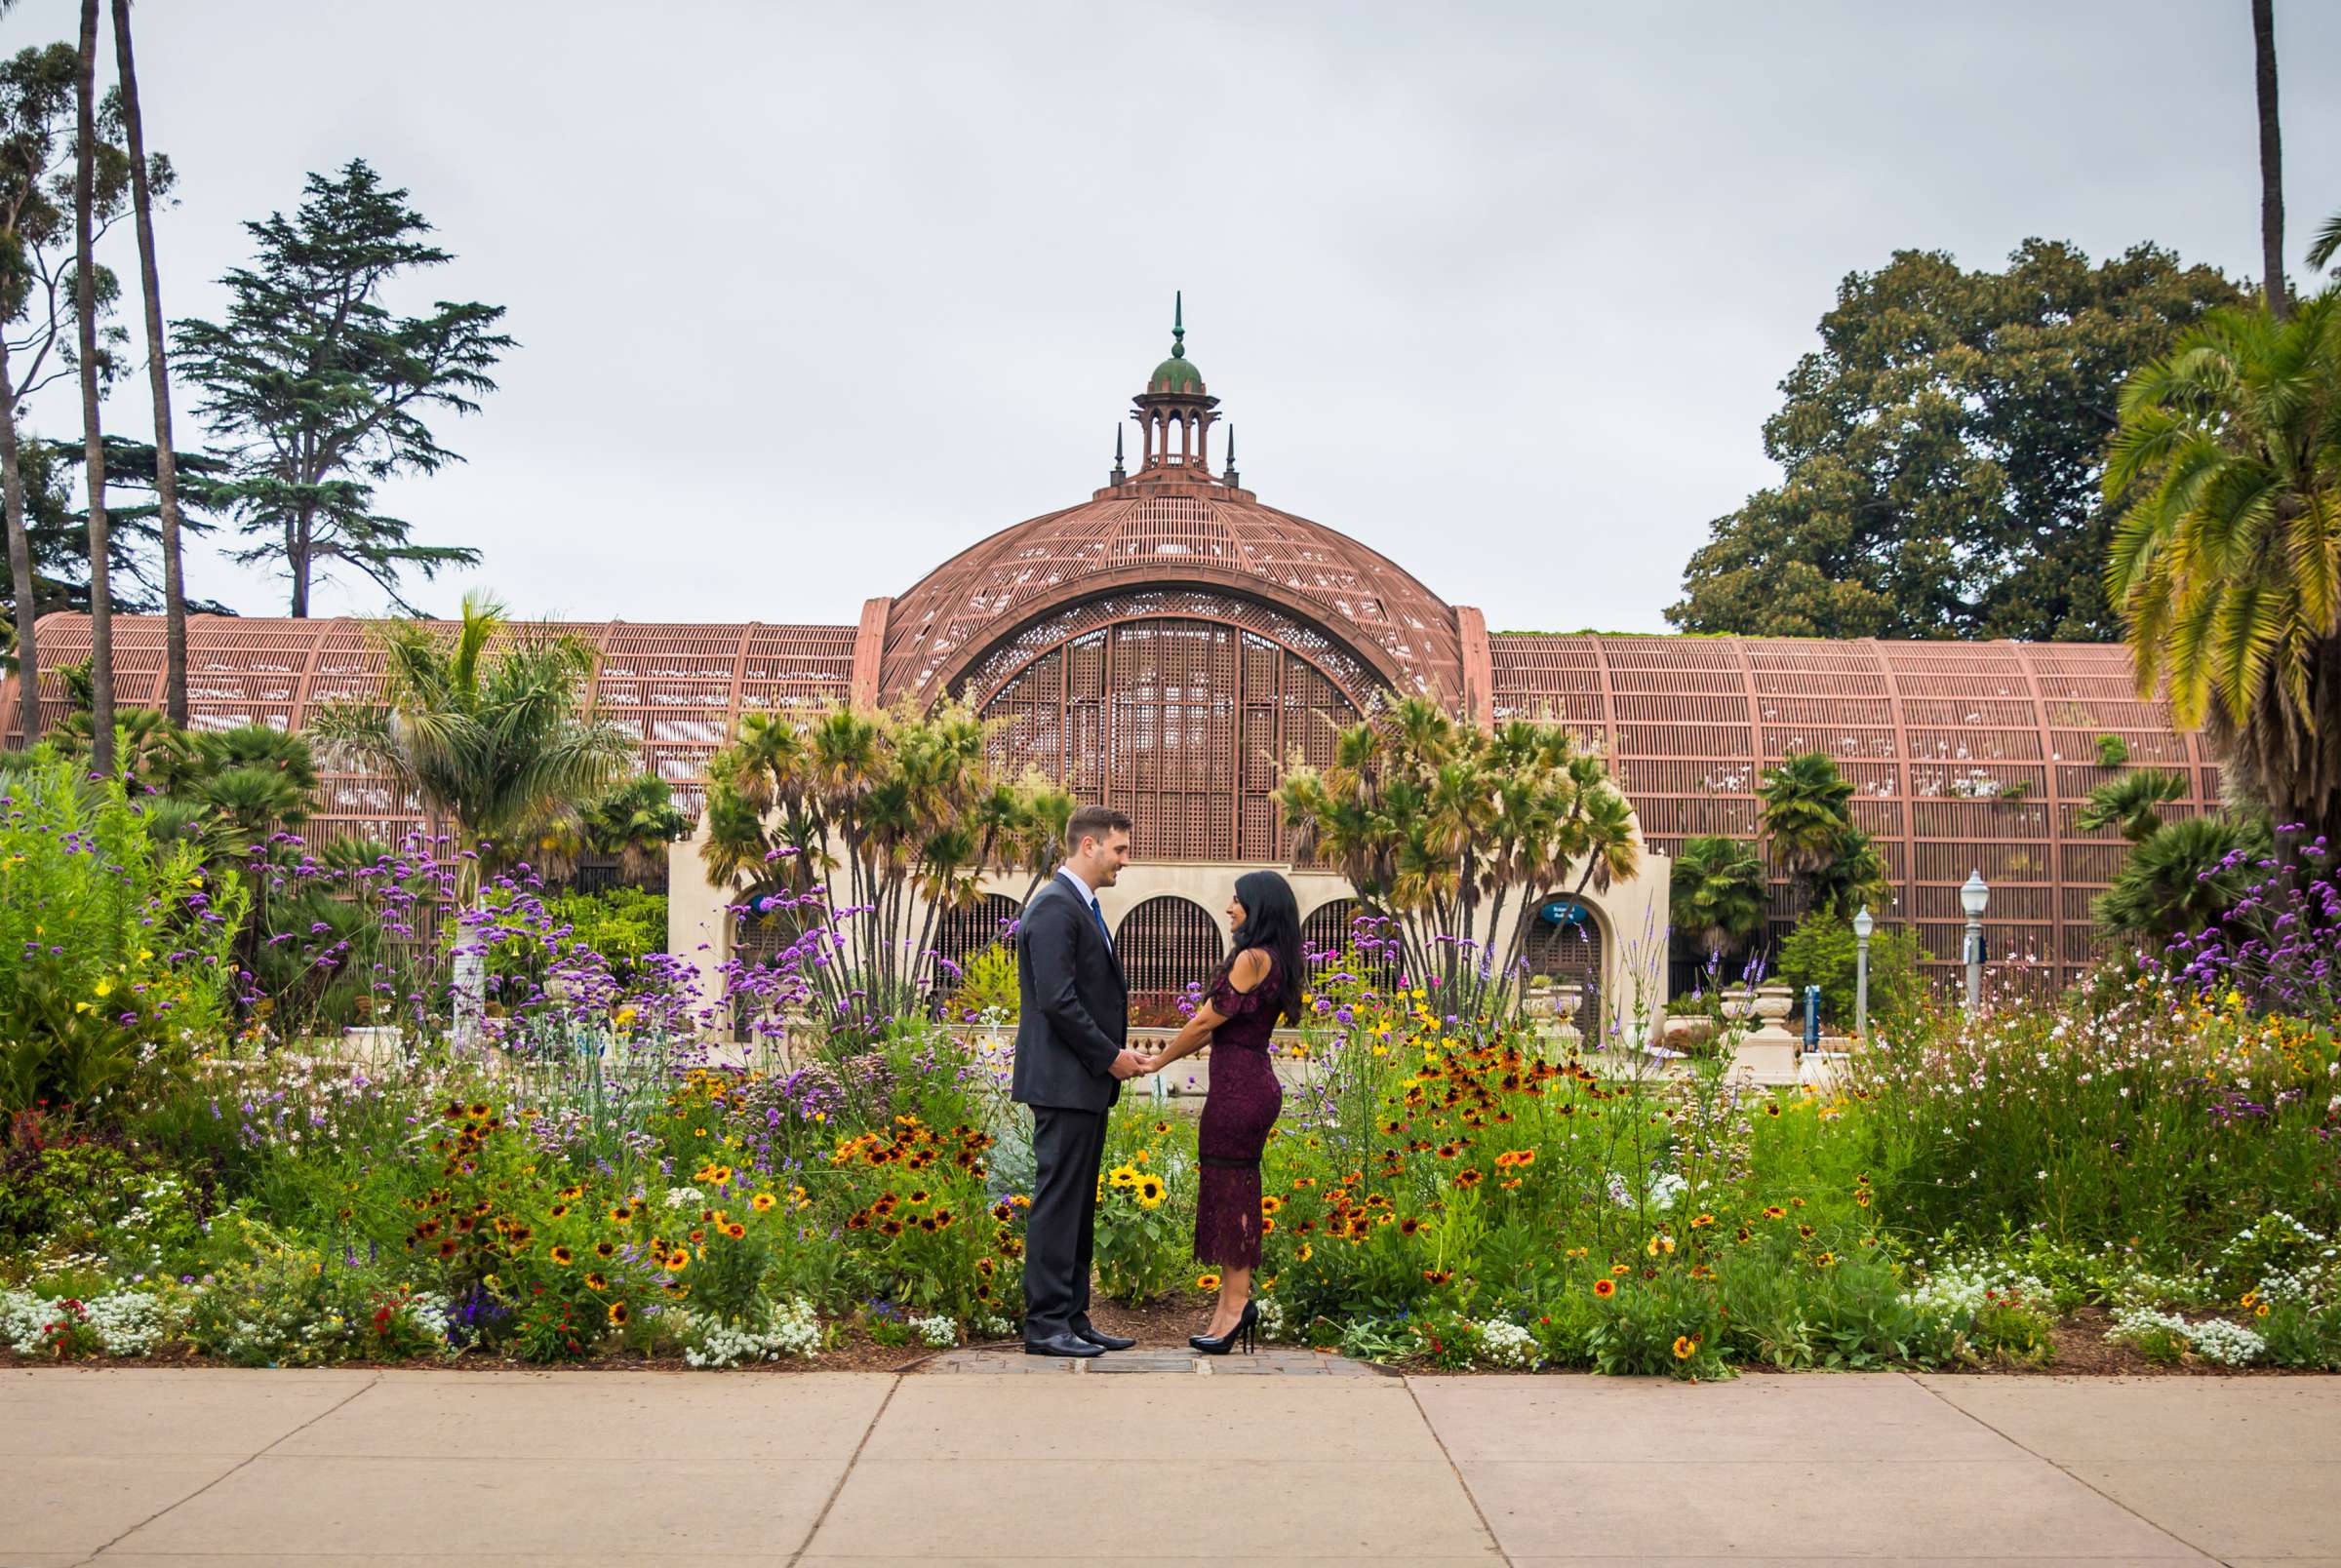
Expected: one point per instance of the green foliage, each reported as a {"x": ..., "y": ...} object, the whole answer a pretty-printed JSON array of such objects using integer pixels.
[
  {"x": 1822, "y": 951},
  {"x": 2131, "y": 803},
  {"x": 633, "y": 822},
  {"x": 1941, "y": 452},
  {"x": 121, "y": 947},
  {"x": 326, "y": 389},
  {"x": 988, "y": 989},
  {"x": 1719, "y": 893},
  {"x": 2226, "y": 467},
  {"x": 2218, "y": 1117},
  {"x": 2112, "y": 751},
  {"x": 620, "y": 924},
  {"x": 2177, "y": 877},
  {"x": 1146, "y": 1210}
]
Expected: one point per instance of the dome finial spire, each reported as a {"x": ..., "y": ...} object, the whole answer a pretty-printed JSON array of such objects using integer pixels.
[{"x": 1178, "y": 324}]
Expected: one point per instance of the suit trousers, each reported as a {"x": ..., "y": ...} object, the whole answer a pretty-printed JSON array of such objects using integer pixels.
[{"x": 1068, "y": 1148}]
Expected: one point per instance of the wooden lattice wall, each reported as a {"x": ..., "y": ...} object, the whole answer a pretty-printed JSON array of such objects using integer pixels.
[{"x": 1963, "y": 755}]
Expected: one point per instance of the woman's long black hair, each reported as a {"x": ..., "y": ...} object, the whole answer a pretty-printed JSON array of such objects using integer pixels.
[{"x": 1271, "y": 920}]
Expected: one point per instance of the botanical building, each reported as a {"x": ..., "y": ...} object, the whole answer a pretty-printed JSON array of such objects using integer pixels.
[{"x": 1165, "y": 645}]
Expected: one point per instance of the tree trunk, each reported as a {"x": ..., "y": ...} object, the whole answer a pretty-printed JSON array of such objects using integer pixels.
[
  {"x": 2272, "y": 160},
  {"x": 85, "y": 287},
  {"x": 158, "y": 375},
  {"x": 297, "y": 564},
  {"x": 19, "y": 559}
]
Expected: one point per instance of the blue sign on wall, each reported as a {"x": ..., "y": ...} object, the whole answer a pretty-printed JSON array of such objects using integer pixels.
[{"x": 1562, "y": 911}]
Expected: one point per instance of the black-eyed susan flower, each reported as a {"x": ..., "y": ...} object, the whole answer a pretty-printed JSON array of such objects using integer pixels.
[
  {"x": 762, "y": 1201},
  {"x": 619, "y": 1313},
  {"x": 564, "y": 1257}
]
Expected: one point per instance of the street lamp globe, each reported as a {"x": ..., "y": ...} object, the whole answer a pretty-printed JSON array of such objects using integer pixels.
[
  {"x": 1864, "y": 923},
  {"x": 1975, "y": 895}
]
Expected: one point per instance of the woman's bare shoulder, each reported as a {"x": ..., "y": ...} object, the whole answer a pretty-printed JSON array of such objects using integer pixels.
[{"x": 1249, "y": 968}]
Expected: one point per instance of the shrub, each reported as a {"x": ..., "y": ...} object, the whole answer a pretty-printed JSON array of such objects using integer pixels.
[
  {"x": 1822, "y": 951},
  {"x": 119, "y": 948}
]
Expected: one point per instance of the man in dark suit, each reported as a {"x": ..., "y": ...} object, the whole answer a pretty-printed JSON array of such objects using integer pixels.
[{"x": 1071, "y": 1057}]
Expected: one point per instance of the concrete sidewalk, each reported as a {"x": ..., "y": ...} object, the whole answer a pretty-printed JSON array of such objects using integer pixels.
[{"x": 224, "y": 1469}]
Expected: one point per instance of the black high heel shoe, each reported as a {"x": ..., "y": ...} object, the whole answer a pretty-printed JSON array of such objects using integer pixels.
[{"x": 1227, "y": 1342}]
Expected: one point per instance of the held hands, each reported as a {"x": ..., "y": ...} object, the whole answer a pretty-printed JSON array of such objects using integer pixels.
[
  {"x": 1130, "y": 1064},
  {"x": 1153, "y": 1064}
]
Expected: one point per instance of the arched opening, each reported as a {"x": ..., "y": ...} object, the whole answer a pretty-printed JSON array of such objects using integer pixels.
[
  {"x": 1328, "y": 927},
  {"x": 1565, "y": 943},
  {"x": 1166, "y": 945},
  {"x": 963, "y": 932}
]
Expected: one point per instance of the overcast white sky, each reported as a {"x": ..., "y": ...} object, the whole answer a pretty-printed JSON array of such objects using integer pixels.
[{"x": 811, "y": 296}]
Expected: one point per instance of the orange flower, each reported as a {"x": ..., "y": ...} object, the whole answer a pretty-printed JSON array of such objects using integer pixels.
[
  {"x": 1604, "y": 1288},
  {"x": 1687, "y": 1346}
]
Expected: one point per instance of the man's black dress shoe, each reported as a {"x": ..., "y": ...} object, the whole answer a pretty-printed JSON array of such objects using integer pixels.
[
  {"x": 1063, "y": 1345},
  {"x": 1104, "y": 1342}
]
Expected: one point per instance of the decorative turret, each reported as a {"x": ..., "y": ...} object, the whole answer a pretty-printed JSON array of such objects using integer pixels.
[{"x": 1174, "y": 412}]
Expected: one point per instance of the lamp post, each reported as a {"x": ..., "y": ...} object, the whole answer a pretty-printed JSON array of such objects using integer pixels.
[
  {"x": 1864, "y": 923},
  {"x": 1974, "y": 897}
]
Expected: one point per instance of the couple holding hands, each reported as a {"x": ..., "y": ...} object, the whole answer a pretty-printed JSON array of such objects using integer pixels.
[{"x": 1072, "y": 1054}]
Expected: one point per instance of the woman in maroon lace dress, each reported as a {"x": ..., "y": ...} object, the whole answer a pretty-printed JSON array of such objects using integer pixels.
[{"x": 1257, "y": 985}]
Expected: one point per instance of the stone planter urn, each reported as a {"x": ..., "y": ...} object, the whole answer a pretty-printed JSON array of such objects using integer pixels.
[
  {"x": 1551, "y": 1012},
  {"x": 1769, "y": 1052}
]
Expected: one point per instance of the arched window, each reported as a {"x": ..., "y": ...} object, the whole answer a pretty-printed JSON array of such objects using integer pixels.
[
  {"x": 963, "y": 932},
  {"x": 1328, "y": 928},
  {"x": 1165, "y": 945},
  {"x": 1564, "y": 942}
]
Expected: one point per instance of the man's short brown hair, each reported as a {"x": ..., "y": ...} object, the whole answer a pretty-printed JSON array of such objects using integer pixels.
[{"x": 1093, "y": 822}]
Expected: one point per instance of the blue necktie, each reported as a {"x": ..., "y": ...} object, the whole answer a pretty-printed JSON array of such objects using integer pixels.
[{"x": 1101, "y": 926}]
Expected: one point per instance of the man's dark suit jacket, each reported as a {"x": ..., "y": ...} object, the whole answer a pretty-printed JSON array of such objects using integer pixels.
[{"x": 1075, "y": 1014}]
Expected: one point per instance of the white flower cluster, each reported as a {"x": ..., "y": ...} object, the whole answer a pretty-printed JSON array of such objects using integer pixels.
[
  {"x": 2214, "y": 1339},
  {"x": 2315, "y": 1268},
  {"x": 1272, "y": 1316},
  {"x": 789, "y": 1328},
  {"x": 997, "y": 1328},
  {"x": 126, "y": 1322},
  {"x": 937, "y": 1331},
  {"x": 684, "y": 1197},
  {"x": 1504, "y": 1343},
  {"x": 1665, "y": 1187},
  {"x": 1955, "y": 1290},
  {"x": 427, "y": 1311},
  {"x": 23, "y": 1316}
]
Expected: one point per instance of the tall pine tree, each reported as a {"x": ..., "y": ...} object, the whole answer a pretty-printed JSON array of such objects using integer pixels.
[{"x": 323, "y": 389}]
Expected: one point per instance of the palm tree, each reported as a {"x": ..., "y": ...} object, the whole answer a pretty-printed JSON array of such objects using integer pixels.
[
  {"x": 1720, "y": 891},
  {"x": 2182, "y": 878},
  {"x": 85, "y": 287},
  {"x": 1807, "y": 814},
  {"x": 496, "y": 746},
  {"x": 2131, "y": 803},
  {"x": 2227, "y": 559},
  {"x": 2328, "y": 244},
  {"x": 632, "y": 823},
  {"x": 2272, "y": 158},
  {"x": 158, "y": 375}
]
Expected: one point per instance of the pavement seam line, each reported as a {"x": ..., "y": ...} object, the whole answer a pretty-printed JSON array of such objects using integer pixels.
[
  {"x": 1457, "y": 1471},
  {"x": 846, "y": 1474},
  {"x": 2154, "y": 1525},
  {"x": 363, "y": 1387}
]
